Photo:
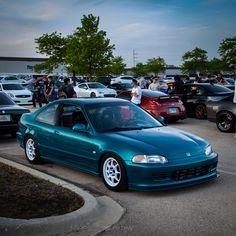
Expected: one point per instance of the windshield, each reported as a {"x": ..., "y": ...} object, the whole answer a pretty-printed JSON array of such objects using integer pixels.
[
  {"x": 12, "y": 87},
  {"x": 119, "y": 116},
  {"x": 5, "y": 100},
  {"x": 96, "y": 85}
]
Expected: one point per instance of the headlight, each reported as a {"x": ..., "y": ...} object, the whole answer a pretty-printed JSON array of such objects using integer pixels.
[
  {"x": 152, "y": 159},
  {"x": 208, "y": 150},
  {"x": 11, "y": 95}
]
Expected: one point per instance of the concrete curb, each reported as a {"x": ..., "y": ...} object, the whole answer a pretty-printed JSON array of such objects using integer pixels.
[{"x": 96, "y": 215}]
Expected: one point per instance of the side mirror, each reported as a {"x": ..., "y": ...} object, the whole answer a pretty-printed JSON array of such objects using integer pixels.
[
  {"x": 80, "y": 128},
  {"x": 161, "y": 119}
]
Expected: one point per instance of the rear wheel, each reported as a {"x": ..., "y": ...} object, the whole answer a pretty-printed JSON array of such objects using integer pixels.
[
  {"x": 31, "y": 151},
  {"x": 225, "y": 122},
  {"x": 113, "y": 173},
  {"x": 200, "y": 111},
  {"x": 92, "y": 95}
]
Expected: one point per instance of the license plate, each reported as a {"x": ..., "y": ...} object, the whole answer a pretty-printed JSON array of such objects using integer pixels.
[
  {"x": 172, "y": 110},
  {"x": 4, "y": 118}
]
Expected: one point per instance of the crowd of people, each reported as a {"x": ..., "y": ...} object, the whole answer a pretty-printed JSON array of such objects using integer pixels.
[{"x": 45, "y": 89}]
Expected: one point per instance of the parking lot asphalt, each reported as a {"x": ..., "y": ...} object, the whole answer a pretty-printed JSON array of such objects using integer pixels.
[{"x": 205, "y": 209}]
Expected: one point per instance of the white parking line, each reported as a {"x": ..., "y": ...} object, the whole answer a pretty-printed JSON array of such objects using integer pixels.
[{"x": 227, "y": 172}]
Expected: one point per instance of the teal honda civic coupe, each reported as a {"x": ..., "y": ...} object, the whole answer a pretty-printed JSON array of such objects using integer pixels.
[{"x": 118, "y": 141}]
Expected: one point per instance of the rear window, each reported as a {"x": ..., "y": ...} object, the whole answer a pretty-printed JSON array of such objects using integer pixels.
[{"x": 217, "y": 88}]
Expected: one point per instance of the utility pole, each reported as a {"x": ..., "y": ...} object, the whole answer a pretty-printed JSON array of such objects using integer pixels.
[{"x": 135, "y": 56}]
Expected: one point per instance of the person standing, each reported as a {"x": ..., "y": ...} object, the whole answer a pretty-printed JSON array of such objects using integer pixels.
[
  {"x": 136, "y": 93},
  {"x": 68, "y": 89},
  {"x": 50, "y": 90},
  {"x": 142, "y": 83},
  {"x": 154, "y": 86}
]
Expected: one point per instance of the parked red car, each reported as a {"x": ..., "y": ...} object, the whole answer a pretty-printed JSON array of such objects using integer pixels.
[{"x": 159, "y": 104}]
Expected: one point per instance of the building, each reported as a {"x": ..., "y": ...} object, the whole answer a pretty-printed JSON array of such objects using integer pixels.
[{"x": 24, "y": 65}]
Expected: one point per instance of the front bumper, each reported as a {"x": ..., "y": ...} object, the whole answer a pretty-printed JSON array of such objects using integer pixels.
[{"x": 171, "y": 176}]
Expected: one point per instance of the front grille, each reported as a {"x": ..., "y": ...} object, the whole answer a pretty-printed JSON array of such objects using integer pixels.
[
  {"x": 22, "y": 96},
  {"x": 190, "y": 173}
]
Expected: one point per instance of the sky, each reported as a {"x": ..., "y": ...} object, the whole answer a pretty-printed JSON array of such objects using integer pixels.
[{"x": 139, "y": 29}]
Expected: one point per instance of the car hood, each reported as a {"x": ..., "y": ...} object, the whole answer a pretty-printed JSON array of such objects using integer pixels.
[
  {"x": 166, "y": 141},
  {"x": 18, "y": 92}
]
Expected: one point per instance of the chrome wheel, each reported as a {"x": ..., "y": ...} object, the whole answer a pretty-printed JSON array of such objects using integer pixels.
[
  {"x": 200, "y": 111},
  {"x": 225, "y": 122},
  {"x": 112, "y": 172},
  {"x": 30, "y": 149}
]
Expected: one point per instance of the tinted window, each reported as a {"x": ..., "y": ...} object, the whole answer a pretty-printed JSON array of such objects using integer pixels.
[
  {"x": 119, "y": 116},
  {"x": 47, "y": 116},
  {"x": 10, "y": 78},
  {"x": 96, "y": 85},
  {"x": 83, "y": 86},
  {"x": 12, "y": 86},
  {"x": 5, "y": 100},
  {"x": 217, "y": 88}
]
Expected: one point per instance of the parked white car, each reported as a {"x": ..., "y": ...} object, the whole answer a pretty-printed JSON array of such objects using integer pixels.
[
  {"x": 93, "y": 89},
  {"x": 17, "y": 92},
  {"x": 122, "y": 79},
  {"x": 11, "y": 79}
]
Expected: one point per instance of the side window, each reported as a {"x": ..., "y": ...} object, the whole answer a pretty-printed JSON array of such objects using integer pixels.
[
  {"x": 71, "y": 115},
  {"x": 48, "y": 115},
  {"x": 83, "y": 86}
]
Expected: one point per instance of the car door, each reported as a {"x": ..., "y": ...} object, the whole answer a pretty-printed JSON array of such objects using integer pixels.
[
  {"x": 83, "y": 90},
  {"x": 78, "y": 149},
  {"x": 44, "y": 131}
]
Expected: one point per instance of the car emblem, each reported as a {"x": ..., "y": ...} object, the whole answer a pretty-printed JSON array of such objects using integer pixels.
[
  {"x": 188, "y": 154},
  {"x": 3, "y": 112}
]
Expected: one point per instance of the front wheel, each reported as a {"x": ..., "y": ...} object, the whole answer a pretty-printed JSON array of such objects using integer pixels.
[
  {"x": 31, "y": 151},
  {"x": 225, "y": 122},
  {"x": 113, "y": 173}
]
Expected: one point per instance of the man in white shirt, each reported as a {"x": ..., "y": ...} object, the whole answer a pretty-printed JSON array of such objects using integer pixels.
[{"x": 136, "y": 93}]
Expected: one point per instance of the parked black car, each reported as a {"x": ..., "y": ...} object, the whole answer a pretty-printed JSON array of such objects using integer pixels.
[
  {"x": 10, "y": 114},
  {"x": 196, "y": 95},
  {"x": 222, "y": 111},
  {"x": 120, "y": 87}
]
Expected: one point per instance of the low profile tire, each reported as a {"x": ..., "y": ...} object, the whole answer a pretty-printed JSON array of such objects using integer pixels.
[
  {"x": 200, "y": 111},
  {"x": 225, "y": 122},
  {"x": 113, "y": 173},
  {"x": 92, "y": 95},
  {"x": 31, "y": 151}
]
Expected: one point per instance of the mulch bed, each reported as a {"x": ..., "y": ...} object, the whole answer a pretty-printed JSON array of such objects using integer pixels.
[{"x": 23, "y": 196}]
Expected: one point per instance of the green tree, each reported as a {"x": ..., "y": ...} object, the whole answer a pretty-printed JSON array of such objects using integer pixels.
[
  {"x": 216, "y": 65},
  {"x": 140, "y": 69},
  {"x": 54, "y": 46},
  {"x": 88, "y": 49},
  {"x": 227, "y": 51},
  {"x": 117, "y": 66},
  {"x": 156, "y": 65},
  {"x": 194, "y": 61}
]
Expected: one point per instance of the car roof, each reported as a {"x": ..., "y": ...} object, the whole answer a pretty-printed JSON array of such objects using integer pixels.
[{"x": 91, "y": 100}]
